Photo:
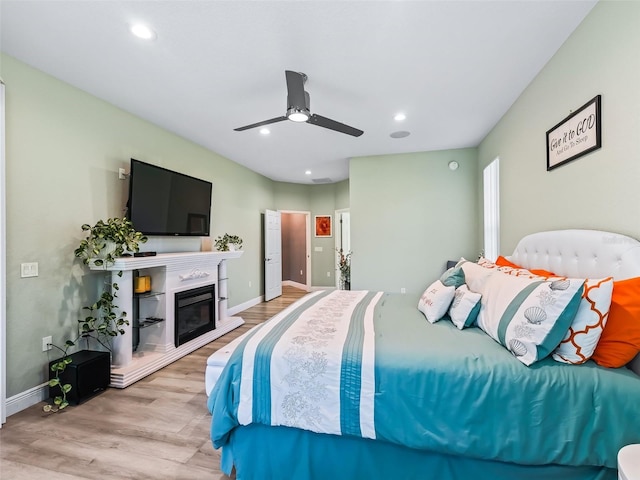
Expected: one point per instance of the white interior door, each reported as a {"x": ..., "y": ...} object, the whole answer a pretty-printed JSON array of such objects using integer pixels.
[{"x": 272, "y": 255}]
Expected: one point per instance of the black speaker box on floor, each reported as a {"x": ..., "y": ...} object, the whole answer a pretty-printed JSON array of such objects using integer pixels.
[{"x": 89, "y": 373}]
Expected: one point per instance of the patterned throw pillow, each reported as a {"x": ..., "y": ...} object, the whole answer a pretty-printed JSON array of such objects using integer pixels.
[
  {"x": 529, "y": 317},
  {"x": 465, "y": 307},
  {"x": 509, "y": 270},
  {"x": 435, "y": 301},
  {"x": 503, "y": 262},
  {"x": 586, "y": 329},
  {"x": 475, "y": 276},
  {"x": 620, "y": 340}
]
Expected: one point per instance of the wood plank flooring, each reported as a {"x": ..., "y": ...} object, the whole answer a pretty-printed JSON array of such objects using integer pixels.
[{"x": 157, "y": 428}]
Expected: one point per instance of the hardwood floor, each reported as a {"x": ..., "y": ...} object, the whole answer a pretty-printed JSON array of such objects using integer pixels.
[{"x": 157, "y": 428}]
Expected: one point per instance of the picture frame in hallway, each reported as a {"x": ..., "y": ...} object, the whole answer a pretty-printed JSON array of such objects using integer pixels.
[
  {"x": 323, "y": 226},
  {"x": 576, "y": 135}
]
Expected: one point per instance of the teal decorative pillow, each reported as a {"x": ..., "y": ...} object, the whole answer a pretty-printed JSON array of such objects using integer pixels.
[
  {"x": 435, "y": 301},
  {"x": 465, "y": 307},
  {"x": 453, "y": 277},
  {"x": 528, "y": 316}
]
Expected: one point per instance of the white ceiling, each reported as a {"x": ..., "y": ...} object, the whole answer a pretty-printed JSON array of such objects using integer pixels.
[{"x": 454, "y": 68}]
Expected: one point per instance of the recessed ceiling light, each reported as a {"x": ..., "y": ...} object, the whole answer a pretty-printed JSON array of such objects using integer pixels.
[
  {"x": 399, "y": 117},
  {"x": 400, "y": 134},
  {"x": 265, "y": 131},
  {"x": 307, "y": 172},
  {"x": 140, "y": 30}
]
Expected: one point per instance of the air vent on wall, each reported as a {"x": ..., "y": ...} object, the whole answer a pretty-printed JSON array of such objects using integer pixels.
[{"x": 321, "y": 180}]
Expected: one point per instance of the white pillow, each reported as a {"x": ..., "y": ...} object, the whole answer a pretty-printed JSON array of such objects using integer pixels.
[
  {"x": 435, "y": 301},
  {"x": 529, "y": 317},
  {"x": 465, "y": 307},
  {"x": 475, "y": 276},
  {"x": 584, "y": 333}
]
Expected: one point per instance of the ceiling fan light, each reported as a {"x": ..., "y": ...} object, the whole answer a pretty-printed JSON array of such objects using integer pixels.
[{"x": 297, "y": 115}]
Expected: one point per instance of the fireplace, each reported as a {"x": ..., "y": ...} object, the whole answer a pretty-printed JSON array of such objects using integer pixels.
[{"x": 194, "y": 313}]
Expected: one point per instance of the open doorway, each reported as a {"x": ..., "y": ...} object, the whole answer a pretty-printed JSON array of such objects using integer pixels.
[
  {"x": 343, "y": 238},
  {"x": 296, "y": 249}
]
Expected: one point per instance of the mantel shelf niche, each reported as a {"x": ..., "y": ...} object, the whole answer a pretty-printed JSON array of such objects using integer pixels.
[{"x": 171, "y": 273}]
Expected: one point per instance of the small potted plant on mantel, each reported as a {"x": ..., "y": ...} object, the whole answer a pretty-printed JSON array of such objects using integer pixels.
[
  {"x": 228, "y": 243},
  {"x": 105, "y": 242}
]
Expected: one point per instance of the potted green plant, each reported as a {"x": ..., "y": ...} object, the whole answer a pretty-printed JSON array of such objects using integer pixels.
[
  {"x": 108, "y": 240},
  {"x": 105, "y": 241},
  {"x": 226, "y": 243},
  {"x": 344, "y": 264},
  {"x": 101, "y": 324}
]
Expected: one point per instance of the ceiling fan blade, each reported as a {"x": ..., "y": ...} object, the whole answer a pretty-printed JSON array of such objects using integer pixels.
[
  {"x": 333, "y": 125},
  {"x": 260, "y": 124},
  {"x": 295, "y": 90}
]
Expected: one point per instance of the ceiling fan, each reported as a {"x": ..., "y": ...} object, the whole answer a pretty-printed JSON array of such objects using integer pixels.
[{"x": 298, "y": 109}]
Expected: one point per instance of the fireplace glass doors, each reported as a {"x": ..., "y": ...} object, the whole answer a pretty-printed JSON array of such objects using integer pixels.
[{"x": 194, "y": 313}]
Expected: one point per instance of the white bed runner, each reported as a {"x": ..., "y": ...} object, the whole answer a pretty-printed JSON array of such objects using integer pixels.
[{"x": 313, "y": 368}]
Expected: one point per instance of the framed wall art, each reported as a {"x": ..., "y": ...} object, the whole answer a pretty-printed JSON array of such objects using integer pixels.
[
  {"x": 323, "y": 225},
  {"x": 575, "y": 136}
]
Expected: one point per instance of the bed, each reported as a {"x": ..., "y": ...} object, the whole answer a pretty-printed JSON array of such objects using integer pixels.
[{"x": 399, "y": 397}]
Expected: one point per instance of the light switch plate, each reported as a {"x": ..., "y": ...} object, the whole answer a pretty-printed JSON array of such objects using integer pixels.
[{"x": 29, "y": 269}]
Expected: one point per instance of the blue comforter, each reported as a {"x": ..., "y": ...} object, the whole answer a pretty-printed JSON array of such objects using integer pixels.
[{"x": 435, "y": 388}]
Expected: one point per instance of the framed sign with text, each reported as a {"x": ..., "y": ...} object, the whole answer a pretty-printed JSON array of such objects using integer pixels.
[{"x": 575, "y": 136}]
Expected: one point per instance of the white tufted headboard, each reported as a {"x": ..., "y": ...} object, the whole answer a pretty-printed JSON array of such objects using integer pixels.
[{"x": 581, "y": 254}]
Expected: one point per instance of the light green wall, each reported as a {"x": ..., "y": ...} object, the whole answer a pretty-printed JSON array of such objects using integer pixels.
[
  {"x": 63, "y": 151},
  {"x": 410, "y": 214},
  {"x": 599, "y": 190},
  {"x": 319, "y": 200}
]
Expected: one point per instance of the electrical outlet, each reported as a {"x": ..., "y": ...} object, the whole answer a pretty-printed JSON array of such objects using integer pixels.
[
  {"x": 403, "y": 290},
  {"x": 249, "y": 283},
  {"x": 46, "y": 343},
  {"x": 122, "y": 175},
  {"x": 328, "y": 274},
  {"x": 300, "y": 272}
]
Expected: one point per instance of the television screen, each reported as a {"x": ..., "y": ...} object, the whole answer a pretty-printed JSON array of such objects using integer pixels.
[{"x": 164, "y": 202}]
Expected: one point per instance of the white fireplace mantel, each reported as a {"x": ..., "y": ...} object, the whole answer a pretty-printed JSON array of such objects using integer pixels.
[{"x": 170, "y": 273}]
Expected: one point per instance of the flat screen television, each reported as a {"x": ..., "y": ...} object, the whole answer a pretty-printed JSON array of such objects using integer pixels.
[{"x": 164, "y": 202}]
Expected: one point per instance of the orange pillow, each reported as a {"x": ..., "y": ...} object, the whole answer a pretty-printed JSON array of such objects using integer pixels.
[
  {"x": 620, "y": 340},
  {"x": 503, "y": 262}
]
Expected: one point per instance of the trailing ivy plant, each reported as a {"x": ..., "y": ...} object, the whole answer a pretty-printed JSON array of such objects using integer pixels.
[
  {"x": 102, "y": 323},
  {"x": 104, "y": 243}
]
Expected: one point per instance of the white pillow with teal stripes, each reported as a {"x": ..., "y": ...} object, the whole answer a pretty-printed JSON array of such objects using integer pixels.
[
  {"x": 465, "y": 307},
  {"x": 528, "y": 316}
]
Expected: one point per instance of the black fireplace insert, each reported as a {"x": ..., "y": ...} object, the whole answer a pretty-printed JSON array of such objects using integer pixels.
[{"x": 194, "y": 313}]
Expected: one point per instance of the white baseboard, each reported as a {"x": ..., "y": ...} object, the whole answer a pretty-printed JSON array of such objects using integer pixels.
[
  {"x": 243, "y": 306},
  {"x": 28, "y": 398},
  {"x": 291, "y": 283}
]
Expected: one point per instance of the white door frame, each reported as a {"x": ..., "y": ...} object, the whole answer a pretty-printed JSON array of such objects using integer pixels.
[
  {"x": 3, "y": 268},
  {"x": 307, "y": 216}
]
